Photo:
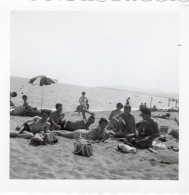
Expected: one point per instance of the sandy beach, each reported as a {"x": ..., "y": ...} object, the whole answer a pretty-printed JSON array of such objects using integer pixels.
[{"x": 58, "y": 161}]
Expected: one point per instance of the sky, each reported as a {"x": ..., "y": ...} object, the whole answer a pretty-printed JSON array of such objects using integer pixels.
[{"x": 134, "y": 49}]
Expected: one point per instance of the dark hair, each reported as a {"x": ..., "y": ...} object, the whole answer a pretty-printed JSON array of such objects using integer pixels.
[
  {"x": 45, "y": 111},
  {"x": 25, "y": 96},
  {"x": 83, "y": 93},
  {"x": 58, "y": 105},
  {"x": 92, "y": 117},
  {"x": 119, "y": 105},
  {"x": 13, "y": 94},
  {"x": 103, "y": 120},
  {"x": 146, "y": 111},
  {"x": 127, "y": 106}
]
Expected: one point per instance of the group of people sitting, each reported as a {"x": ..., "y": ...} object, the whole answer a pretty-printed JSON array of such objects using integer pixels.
[{"x": 120, "y": 125}]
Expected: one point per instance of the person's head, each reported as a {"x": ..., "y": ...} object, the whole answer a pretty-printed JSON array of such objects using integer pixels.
[
  {"x": 103, "y": 123},
  {"x": 127, "y": 109},
  {"x": 24, "y": 97},
  {"x": 119, "y": 106},
  {"x": 142, "y": 104},
  {"x": 145, "y": 104},
  {"x": 83, "y": 93},
  {"x": 45, "y": 114},
  {"x": 91, "y": 120},
  {"x": 13, "y": 94},
  {"x": 145, "y": 113},
  {"x": 58, "y": 107}
]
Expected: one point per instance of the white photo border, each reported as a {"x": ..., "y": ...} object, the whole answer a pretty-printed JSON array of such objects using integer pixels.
[{"x": 94, "y": 186}]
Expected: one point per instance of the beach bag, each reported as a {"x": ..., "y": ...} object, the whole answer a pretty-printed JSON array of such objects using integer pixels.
[
  {"x": 83, "y": 148},
  {"x": 50, "y": 138}
]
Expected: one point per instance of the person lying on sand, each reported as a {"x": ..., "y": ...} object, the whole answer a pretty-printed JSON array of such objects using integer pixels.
[
  {"x": 114, "y": 113},
  {"x": 56, "y": 118},
  {"x": 147, "y": 131},
  {"x": 79, "y": 124},
  {"x": 124, "y": 123},
  {"x": 164, "y": 116},
  {"x": 98, "y": 133},
  {"x": 34, "y": 127}
]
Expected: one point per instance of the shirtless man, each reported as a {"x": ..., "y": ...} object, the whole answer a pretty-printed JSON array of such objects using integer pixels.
[
  {"x": 34, "y": 128},
  {"x": 147, "y": 131},
  {"x": 114, "y": 113},
  {"x": 124, "y": 123},
  {"x": 56, "y": 118},
  {"x": 80, "y": 124}
]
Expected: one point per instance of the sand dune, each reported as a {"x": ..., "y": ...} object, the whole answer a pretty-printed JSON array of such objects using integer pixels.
[{"x": 58, "y": 161}]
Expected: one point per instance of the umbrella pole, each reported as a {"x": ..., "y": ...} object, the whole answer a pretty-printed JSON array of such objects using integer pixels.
[{"x": 42, "y": 97}]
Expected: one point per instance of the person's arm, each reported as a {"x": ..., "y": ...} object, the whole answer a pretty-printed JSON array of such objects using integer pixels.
[
  {"x": 80, "y": 100},
  {"x": 175, "y": 119},
  {"x": 110, "y": 117},
  {"x": 52, "y": 121},
  {"x": 11, "y": 104},
  {"x": 47, "y": 127}
]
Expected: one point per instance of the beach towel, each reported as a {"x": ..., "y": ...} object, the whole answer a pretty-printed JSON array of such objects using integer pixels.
[{"x": 83, "y": 148}]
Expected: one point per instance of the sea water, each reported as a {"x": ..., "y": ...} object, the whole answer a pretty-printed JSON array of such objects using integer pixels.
[{"x": 100, "y": 99}]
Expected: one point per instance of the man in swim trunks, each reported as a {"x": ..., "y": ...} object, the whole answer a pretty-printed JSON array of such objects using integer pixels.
[
  {"x": 124, "y": 123},
  {"x": 80, "y": 124},
  {"x": 34, "y": 128},
  {"x": 98, "y": 133},
  {"x": 147, "y": 131},
  {"x": 56, "y": 118}
]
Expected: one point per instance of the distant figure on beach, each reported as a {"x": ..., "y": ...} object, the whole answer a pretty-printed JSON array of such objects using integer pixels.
[
  {"x": 83, "y": 101},
  {"x": 127, "y": 101},
  {"x": 114, "y": 113},
  {"x": 163, "y": 116},
  {"x": 56, "y": 118},
  {"x": 154, "y": 108},
  {"x": 84, "y": 104},
  {"x": 12, "y": 94},
  {"x": 147, "y": 131},
  {"x": 34, "y": 128},
  {"x": 124, "y": 123},
  {"x": 98, "y": 133},
  {"x": 79, "y": 124},
  {"x": 26, "y": 104}
]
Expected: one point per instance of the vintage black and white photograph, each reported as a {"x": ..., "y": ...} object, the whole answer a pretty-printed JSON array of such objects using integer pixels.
[{"x": 94, "y": 95}]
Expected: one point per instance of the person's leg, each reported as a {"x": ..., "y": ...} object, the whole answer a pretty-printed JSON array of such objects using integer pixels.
[
  {"x": 85, "y": 110},
  {"x": 24, "y": 134},
  {"x": 64, "y": 134}
]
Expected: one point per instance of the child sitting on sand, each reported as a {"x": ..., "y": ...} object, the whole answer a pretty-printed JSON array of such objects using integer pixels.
[
  {"x": 97, "y": 133},
  {"x": 114, "y": 113}
]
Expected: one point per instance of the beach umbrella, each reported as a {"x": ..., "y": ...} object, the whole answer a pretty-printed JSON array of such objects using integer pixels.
[{"x": 42, "y": 80}]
